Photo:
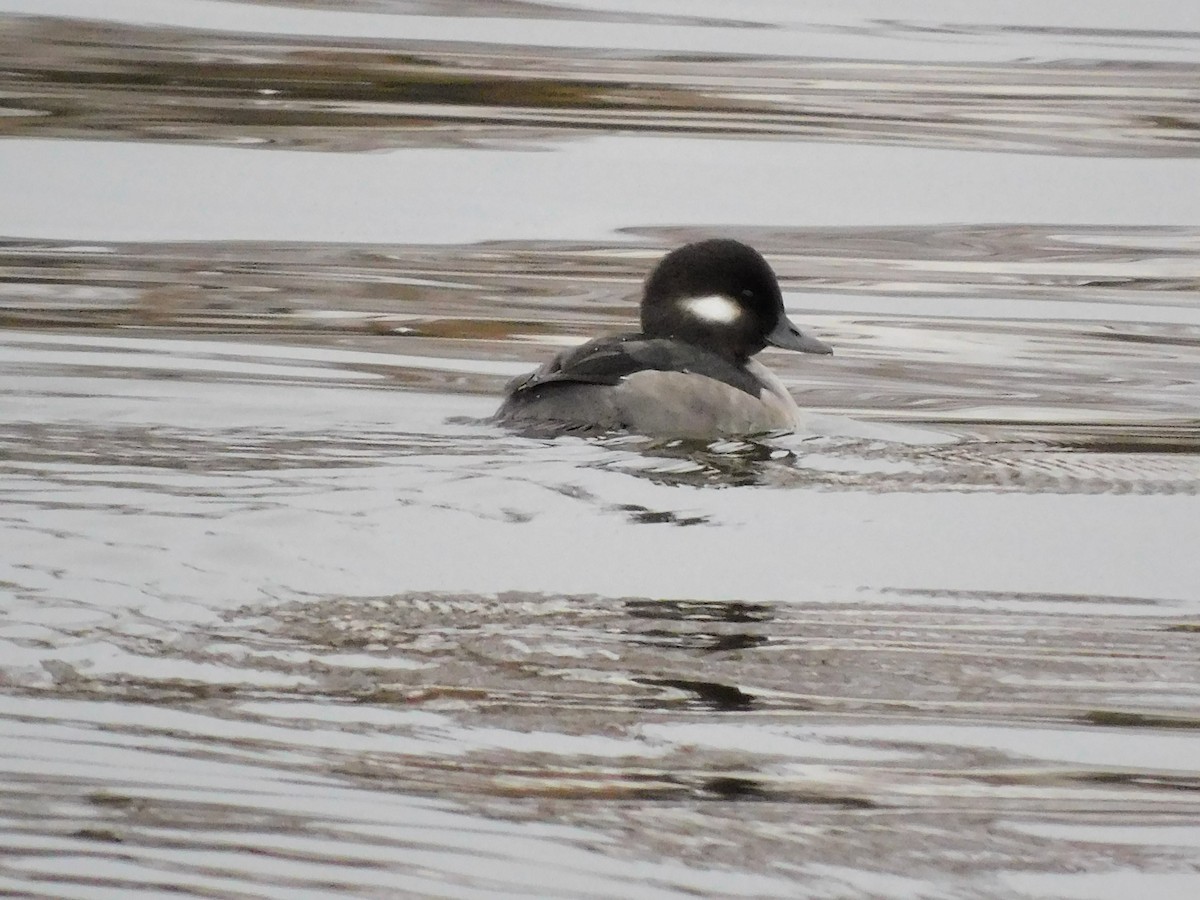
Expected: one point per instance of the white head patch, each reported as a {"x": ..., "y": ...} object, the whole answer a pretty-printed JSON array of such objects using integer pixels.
[{"x": 717, "y": 309}]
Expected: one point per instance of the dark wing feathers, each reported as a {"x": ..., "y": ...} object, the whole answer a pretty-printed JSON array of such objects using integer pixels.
[{"x": 607, "y": 360}]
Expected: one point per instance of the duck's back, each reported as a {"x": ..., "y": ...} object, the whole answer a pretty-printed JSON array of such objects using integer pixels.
[{"x": 653, "y": 386}]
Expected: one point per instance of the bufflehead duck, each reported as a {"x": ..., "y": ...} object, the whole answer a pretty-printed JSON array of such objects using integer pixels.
[{"x": 707, "y": 308}]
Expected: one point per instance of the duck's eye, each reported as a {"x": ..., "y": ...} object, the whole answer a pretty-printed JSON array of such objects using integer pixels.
[{"x": 748, "y": 293}]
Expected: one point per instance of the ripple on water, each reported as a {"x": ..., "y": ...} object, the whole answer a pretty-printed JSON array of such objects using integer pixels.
[
  {"x": 326, "y": 94},
  {"x": 995, "y": 728}
]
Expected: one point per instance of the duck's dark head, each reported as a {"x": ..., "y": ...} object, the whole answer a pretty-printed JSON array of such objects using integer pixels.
[{"x": 723, "y": 296}]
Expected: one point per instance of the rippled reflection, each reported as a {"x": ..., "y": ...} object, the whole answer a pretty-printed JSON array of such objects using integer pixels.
[
  {"x": 222, "y": 87},
  {"x": 950, "y": 711}
]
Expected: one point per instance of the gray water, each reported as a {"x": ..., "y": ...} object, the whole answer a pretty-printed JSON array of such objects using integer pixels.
[{"x": 284, "y": 616}]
